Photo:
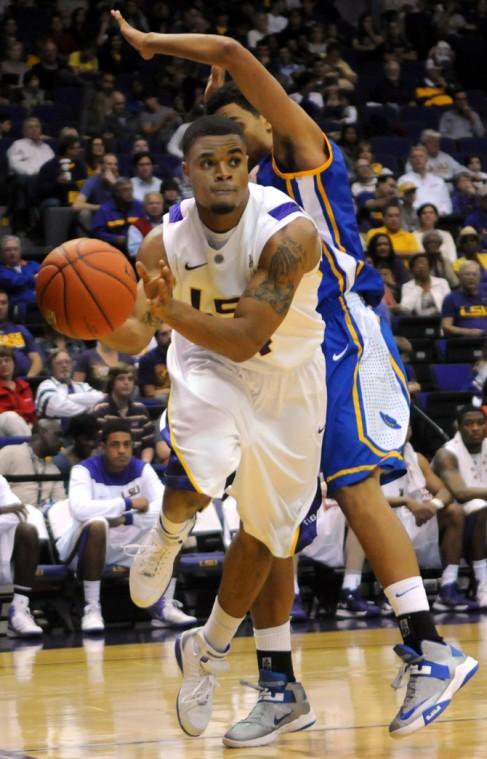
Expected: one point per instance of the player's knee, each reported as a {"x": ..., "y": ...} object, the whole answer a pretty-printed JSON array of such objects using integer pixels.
[
  {"x": 27, "y": 534},
  {"x": 96, "y": 532},
  {"x": 455, "y": 515}
]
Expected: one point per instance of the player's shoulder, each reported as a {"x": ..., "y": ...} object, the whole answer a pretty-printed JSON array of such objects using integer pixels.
[
  {"x": 273, "y": 203},
  {"x": 178, "y": 212}
]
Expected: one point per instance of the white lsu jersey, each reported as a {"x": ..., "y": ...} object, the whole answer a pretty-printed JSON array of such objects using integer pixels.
[{"x": 213, "y": 280}]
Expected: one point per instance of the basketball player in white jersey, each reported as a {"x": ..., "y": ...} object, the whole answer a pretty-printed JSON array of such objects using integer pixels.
[
  {"x": 368, "y": 411},
  {"x": 238, "y": 285}
]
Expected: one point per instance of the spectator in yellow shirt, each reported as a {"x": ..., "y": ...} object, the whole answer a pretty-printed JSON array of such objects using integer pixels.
[
  {"x": 404, "y": 242},
  {"x": 84, "y": 61}
]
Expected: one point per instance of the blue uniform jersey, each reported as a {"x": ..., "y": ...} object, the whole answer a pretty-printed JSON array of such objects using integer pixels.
[{"x": 324, "y": 193}]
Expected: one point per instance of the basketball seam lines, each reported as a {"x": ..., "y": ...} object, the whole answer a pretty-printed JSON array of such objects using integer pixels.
[
  {"x": 95, "y": 301},
  {"x": 111, "y": 274}
]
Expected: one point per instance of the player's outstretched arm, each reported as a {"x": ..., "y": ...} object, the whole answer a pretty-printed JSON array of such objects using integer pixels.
[
  {"x": 287, "y": 256},
  {"x": 294, "y": 131},
  {"x": 135, "y": 334}
]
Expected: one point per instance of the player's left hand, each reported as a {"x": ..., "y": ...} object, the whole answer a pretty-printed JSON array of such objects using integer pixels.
[{"x": 215, "y": 81}]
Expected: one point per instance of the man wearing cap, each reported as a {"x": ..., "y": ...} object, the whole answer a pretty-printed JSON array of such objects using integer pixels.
[
  {"x": 470, "y": 249},
  {"x": 478, "y": 218},
  {"x": 464, "y": 311},
  {"x": 407, "y": 196},
  {"x": 430, "y": 188}
]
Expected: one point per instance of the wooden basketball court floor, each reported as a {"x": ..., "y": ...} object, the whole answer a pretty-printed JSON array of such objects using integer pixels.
[{"x": 118, "y": 701}]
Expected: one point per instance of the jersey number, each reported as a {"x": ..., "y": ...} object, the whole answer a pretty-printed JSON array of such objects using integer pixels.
[{"x": 225, "y": 307}]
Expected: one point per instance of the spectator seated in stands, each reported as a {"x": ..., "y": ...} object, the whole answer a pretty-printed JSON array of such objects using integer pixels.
[
  {"x": 19, "y": 557},
  {"x": 435, "y": 524},
  {"x": 32, "y": 92},
  {"x": 478, "y": 218},
  {"x": 84, "y": 63},
  {"x": 98, "y": 104},
  {"x": 424, "y": 294},
  {"x": 120, "y": 124},
  {"x": 17, "y": 412},
  {"x": 428, "y": 219},
  {"x": 440, "y": 164},
  {"x": 392, "y": 89},
  {"x": 17, "y": 276},
  {"x": 25, "y": 158},
  {"x": 439, "y": 266},
  {"x": 111, "y": 222},
  {"x": 60, "y": 179},
  {"x": 461, "y": 121},
  {"x": 94, "y": 363},
  {"x": 82, "y": 431},
  {"x": 97, "y": 190},
  {"x": 144, "y": 180},
  {"x": 404, "y": 242},
  {"x": 51, "y": 71},
  {"x": 371, "y": 204},
  {"x": 93, "y": 155},
  {"x": 464, "y": 311},
  {"x": 365, "y": 179},
  {"x": 59, "y": 396},
  {"x": 429, "y": 187},
  {"x": 464, "y": 197},
  {"x": 381, "y": 254},
  {"x": 28, "y": 361},
  {"x": 407, "y": 197},
  {"x": 153, "y": 375},
  {"x": 462, "y": 465},
  {"x": 154, "y": 208},
  {"x": 475, "y": 166},
  {"x": 470, "y": 249},
  {"x": 114, "y": 499},
  {"x": 336, "y": 70},
  {"x": 34, "y": 458},
  {"x": 157, "y": 122},
  {"x": 118, "y": 403}
]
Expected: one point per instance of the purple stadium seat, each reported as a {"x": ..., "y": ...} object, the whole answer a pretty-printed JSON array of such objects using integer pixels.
[{"x": 453, "y": 377}]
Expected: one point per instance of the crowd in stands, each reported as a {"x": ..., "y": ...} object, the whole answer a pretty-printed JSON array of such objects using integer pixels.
[{"x": 90, "y": 145}]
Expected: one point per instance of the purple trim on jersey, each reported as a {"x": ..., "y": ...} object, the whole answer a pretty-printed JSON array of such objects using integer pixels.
[
  {"x": 96, "y": 467},
  {"x": 175, "y": 213},
  {"x": 285, "y": 209}
]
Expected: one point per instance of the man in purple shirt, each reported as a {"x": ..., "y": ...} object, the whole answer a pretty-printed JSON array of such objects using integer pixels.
[
  {"x": 28, "y": 361},
  {"x": 464, "y": 311}
]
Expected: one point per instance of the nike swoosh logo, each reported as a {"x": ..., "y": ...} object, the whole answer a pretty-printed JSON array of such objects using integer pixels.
[
  {"x": 338, "y": 356},
  {"x": 277, "y": 721},
  {"x": 399, "y": 595},
  {"x": 321, "y": 430},
  {"x": 198, "y": 266}
]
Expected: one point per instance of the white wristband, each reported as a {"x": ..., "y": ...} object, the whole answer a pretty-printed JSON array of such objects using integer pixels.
[{"x": 437, "y": 503}]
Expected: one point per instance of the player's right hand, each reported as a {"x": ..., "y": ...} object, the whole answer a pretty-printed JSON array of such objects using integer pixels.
[
  {"x": 16, "y": 508},
  {"x": 215, "y": 81},
  {"x": 140, "y": 504}
]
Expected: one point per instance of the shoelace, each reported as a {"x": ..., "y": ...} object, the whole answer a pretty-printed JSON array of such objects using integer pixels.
[
  {"x": 151, "y": 556},
  {"x": 200, "y": 695}
]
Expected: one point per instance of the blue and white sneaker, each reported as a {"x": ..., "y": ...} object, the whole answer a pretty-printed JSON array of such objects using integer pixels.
[
  {"x": 351, "y": 604},
  {"x": 281, "y": 707},
  {"x": 435, "y": 675},
  {"x": 450, "y": 598}
]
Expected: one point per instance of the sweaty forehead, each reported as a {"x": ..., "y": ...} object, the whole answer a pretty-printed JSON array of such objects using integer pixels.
[{"x": 217, "y": 145}]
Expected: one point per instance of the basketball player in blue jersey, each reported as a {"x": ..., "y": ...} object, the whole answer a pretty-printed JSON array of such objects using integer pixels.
[{"x": 368, "y": 401}]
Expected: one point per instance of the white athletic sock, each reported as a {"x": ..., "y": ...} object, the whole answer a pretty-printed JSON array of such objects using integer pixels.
[
  {"x": 173, "y": 529},
  {"x": 91, "y": 589},
  {"x": 351, "y": 580},
  {"x": 20, "y": 601},
  {"x": 449, "y": 574},
  {"x": 273, "y": 638},
  {"x": 480, "y": 570},
  {"x": 220, "y": 628},
  {"x": 407, "y": 596}
]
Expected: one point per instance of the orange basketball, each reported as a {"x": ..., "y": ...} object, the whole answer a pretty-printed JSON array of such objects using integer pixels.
[{"x": 86, "y": 288}]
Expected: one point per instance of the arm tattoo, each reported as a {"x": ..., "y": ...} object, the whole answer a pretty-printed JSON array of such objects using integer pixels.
[
  {"x": 278, "y": 287},
  {"x": 150, "y": 320}
]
